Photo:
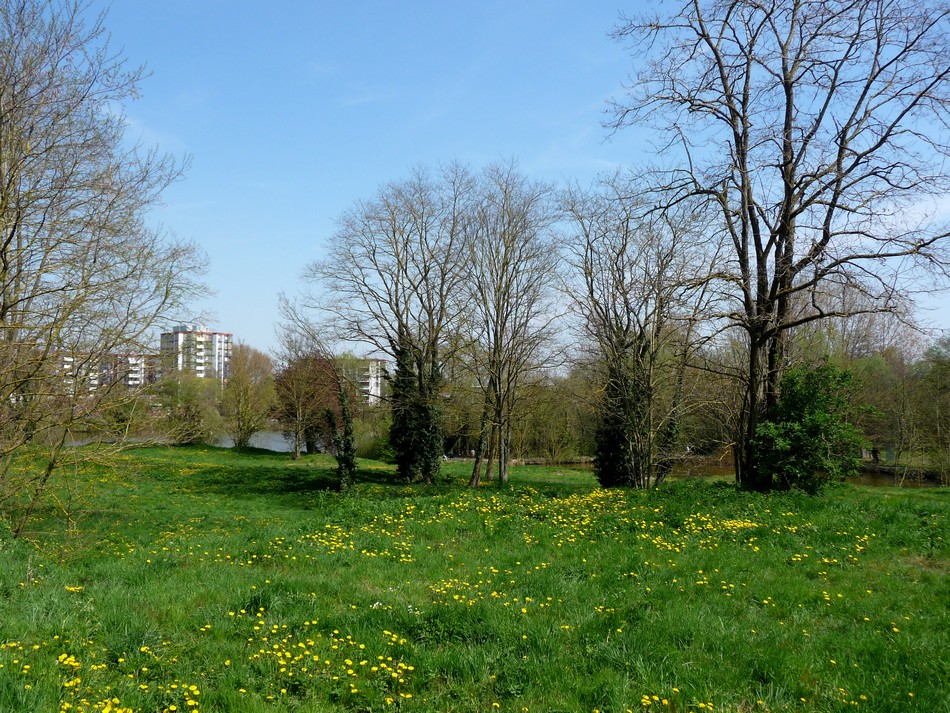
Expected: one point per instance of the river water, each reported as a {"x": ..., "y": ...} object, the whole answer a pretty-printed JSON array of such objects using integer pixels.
[{"x": 268, "y": 440}]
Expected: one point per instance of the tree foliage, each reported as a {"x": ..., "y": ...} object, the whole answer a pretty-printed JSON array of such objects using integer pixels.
[
  {"x": 415, "y": 433},
  {"x": 935, "y": 375},
  {"x": 190, "y": 407},
  {"x": 248, "y": 398}
]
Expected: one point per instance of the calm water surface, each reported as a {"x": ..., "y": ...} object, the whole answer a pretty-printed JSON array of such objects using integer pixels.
[{"x": 268, "y": 440}]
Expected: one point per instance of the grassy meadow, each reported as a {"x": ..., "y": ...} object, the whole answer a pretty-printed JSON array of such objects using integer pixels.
[{"x": 198, "y": 579}]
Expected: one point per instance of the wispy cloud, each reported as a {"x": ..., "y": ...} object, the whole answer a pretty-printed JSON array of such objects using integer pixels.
[
  {"x": 378, "y": 97},
  {"x": 138, "y": 132}
]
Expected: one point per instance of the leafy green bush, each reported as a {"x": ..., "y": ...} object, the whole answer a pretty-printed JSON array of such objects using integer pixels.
[{"x": 809, "y": 441}]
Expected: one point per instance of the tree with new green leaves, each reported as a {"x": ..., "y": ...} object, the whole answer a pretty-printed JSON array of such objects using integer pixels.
[
  {"x": 934, "y": 375},
  {"x": 809, "y": 440},
  {"x": 189, "y": 406},
  {"x": 551, "y": 422},
  {"x": 248, "y": 398}
]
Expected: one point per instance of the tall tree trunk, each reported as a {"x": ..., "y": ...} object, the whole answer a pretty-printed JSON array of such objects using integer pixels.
[
  {"x": 476, "y": 479},
  {"x": 504, "y": 452},
  {"x": 489, "y": 461},
  {"x": 501, "y": 443},
  {"x": 759, "y": 392},
  {"x": 346, "y": 450}
]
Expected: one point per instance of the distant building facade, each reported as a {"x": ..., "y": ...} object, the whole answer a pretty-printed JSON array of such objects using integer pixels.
[
  {"x": 197, "y": 350},
  {"x": 90, "y": 372},
  {"x": 371, "y": 378},
  {"x": 131, "y": 370},
  {"x": 80, "y": 373},
  {"x": 369, "y": 375}
]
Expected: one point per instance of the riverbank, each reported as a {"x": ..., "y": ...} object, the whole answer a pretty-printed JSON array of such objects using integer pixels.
[{"x": 902, "y": 475}]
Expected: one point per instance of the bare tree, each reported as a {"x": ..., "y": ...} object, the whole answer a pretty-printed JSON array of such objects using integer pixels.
[
  {"x": 393, "y": 277},
  {"x": 863, "y": 331},
  {"x": 83, "y": 279},
  {"x": 511, "y": 261},
  {"x": 248, "y": 399},
  {"x": 818, "y": 130},
  {"x": 642, "y": 296},
  {"x": 303, "y": 391},
  {"x": 317, "y": 398}
]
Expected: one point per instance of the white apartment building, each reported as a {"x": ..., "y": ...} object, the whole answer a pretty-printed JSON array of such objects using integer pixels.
[
  {"x": 90, "y": 372},
  {"x": 130, "y": 370},
  {"x": 196, "y": 349},
  {"x": 372, "y": 373},
  {"x": 80, "y": 373}
]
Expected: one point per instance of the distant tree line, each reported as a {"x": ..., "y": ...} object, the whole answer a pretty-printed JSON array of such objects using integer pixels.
[
  {"x": 601, "y": 331},
  {"x": 863, "y": 384}
]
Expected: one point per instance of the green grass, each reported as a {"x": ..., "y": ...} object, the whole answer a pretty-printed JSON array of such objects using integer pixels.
[{"x": 247, "y": 578}]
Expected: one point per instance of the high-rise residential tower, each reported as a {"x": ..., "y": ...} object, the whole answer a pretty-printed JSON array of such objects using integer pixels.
[{"x": 196, "y": 349}]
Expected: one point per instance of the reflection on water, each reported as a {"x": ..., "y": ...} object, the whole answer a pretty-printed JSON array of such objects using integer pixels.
[{"x": 268, "y": 440}]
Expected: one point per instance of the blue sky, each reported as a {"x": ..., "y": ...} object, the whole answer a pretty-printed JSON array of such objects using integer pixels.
[{"x": 291, "y": 111}]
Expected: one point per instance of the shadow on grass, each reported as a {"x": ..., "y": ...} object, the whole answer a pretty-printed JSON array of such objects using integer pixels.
[
  {"x": 294, "y": 481},
  {"x": 259, "y": 472},
  {"x": 254, "y": 472},
  {"x": 266, "y": 480}
]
